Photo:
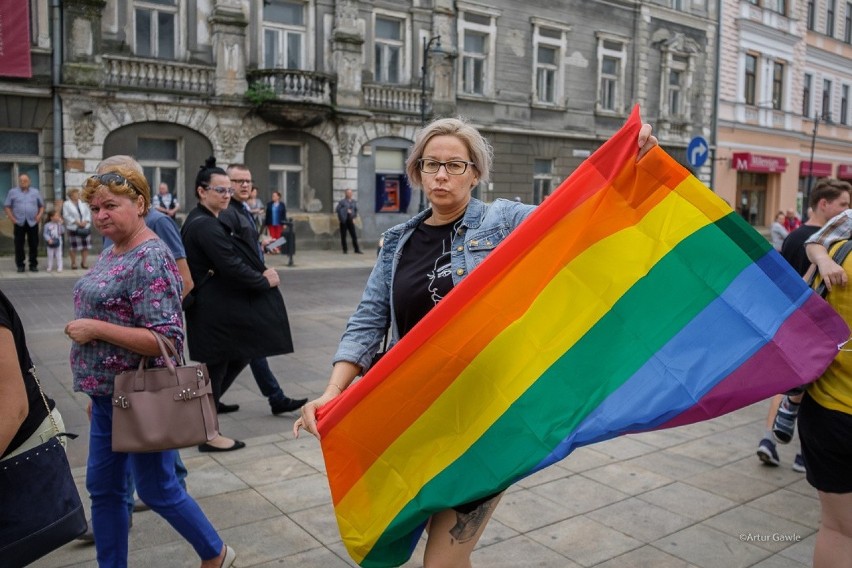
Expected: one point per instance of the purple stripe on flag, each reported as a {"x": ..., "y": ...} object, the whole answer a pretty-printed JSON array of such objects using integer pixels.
[{"x": 814, "y": 317}]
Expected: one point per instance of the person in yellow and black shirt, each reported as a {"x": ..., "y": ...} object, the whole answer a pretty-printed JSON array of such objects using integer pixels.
[{"x": 825, "y": 432}]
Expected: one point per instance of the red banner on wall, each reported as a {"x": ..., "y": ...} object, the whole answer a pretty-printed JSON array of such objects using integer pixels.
[
  {"x": 816, "y": 169},
  {"x": 844, "y": 171},
  {"x": 15, "y": 39}
]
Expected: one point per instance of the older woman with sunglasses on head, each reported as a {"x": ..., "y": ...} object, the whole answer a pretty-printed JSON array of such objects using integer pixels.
[
  {"x": 236, "y": 312},
  {"x": 420, "y": 263},
  {"x": 133, "y": 287}
]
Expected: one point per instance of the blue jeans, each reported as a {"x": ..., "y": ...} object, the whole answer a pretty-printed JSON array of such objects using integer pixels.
[
  {"x": 266, "y": 381},
  {"x": 180, "y": 472},
  {"x": 106, "y": 481}
]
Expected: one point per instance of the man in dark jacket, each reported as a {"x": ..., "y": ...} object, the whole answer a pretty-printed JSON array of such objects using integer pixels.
[
  {"x": 238, "y": 218},
  {"x": 347, "y": 211}
]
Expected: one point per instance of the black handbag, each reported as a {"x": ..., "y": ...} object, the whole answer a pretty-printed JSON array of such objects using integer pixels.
[
  {"x": 83, "y": 231},
  {"x": 41, "y": 508}
]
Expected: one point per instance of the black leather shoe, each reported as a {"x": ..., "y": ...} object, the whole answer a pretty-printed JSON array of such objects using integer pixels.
[
  {"x": 21, "y": 269},
  {"x": 287, "y": 405},
  {"x": 223, "y": 408},
  {"x": 33, "y": 269},
  {"x": 237, "y": 445}
]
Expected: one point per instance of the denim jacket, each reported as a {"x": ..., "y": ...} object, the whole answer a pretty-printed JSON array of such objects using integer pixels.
[{"x": 483, "y": 228}]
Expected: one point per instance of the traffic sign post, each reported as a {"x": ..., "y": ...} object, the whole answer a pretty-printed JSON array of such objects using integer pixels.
[{"x": 697, "y": 152}]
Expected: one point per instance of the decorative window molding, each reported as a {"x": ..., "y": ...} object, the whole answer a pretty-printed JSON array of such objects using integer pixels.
[
  {"x": 550, "y": 44},
  {"x": 612, "y": 63},
  {"x": 477, "y": 33},
  {"x": 678, "y": 56},
  {"x": 392, "y": 47},
  {"x": 286, "y": 33},
  {"x": 159, "y": 29}
]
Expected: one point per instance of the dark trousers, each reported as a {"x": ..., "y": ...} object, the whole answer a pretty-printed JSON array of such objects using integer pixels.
[
  {"x": 223, "y": 375},
  {"x": 31, "y": 234},
  {"x": 348, "y": 225},
  {"x": 266, "y": 381}
]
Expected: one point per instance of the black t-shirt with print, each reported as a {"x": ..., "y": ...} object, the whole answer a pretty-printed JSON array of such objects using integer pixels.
[{"x": 424, "y": 273}]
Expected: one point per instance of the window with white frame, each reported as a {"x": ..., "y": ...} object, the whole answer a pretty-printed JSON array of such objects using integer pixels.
[
  {"x": 549, "y": 50},
  {"x": 160, "y": 160},
  {"x": 779, "y": 6},
  {"x": 542, "y": 179},
  {"x": 156, "y": 28},
  {"x": 389, "y": 49},
  {"x": 19, "y": 154},
  {"x": 811, "y": 15},
  {"x": 844, "y": 105},
  {"x": 612, "y": 56},
  {"x": 284, "y": 32},
  {"x": 286, "y": 167},
  {"x": 477, "y": 31}
]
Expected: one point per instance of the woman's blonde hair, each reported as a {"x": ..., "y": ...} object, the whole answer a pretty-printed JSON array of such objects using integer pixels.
[
  {"x": 128, "y": 182},
  {"x": 478, "y": 147},
  {"x": 72, "y": 192}
]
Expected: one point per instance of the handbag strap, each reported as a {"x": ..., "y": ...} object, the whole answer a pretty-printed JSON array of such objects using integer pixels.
[{"x": 44, "y": 400}]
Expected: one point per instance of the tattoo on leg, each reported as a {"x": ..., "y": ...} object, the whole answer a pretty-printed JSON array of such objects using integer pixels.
[{"x": 467, "y": 524}]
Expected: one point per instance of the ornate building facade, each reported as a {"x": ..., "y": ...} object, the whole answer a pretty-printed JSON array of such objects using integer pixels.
[
  {"x": 317, "y": 96},
  {"x": 784, "y": 117}
]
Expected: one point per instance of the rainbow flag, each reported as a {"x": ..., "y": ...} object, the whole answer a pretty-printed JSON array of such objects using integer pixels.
[{"x": 632, "y": 299}]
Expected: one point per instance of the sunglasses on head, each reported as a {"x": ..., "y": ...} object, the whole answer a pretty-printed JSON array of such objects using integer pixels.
[{"x": 111, "y": 178}]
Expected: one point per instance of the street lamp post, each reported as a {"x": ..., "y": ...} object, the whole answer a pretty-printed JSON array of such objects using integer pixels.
[{"x": 427, "y": 46}]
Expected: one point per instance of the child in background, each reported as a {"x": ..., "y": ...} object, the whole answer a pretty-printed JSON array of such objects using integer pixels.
[{"x": 53, "y": 231}]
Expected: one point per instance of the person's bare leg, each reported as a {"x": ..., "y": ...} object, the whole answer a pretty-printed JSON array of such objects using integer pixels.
[
  {"x": 453, "y": 535},
  {"x": 833, "y": 545},
  {"x": 72, "y": 254}
]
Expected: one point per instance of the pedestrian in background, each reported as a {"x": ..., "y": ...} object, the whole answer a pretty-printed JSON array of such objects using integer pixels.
[
  {"x": 276, "y": 215},
  {"x": 53, "y": 231},
  {"x": 347, "y": 211},
  {"x": 257, "y": 209},
  {"x": 78, "y": 222},
  {"x": 238, "y": 218},
  {"x": 24, "y": 208},
  {"x": 777, "y": 232},
  {"x": 166, "y": 202}
]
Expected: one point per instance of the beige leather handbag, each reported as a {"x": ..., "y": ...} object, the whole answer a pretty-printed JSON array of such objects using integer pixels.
[{"x": 163, "y": 408}]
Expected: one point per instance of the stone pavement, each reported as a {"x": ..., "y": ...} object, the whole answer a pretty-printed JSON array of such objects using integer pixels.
[{"x": 694, "y": 496}]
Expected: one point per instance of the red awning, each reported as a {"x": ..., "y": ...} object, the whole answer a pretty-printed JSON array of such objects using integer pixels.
[
  {"x": 748, "y": 162},
  {"x": 844, "y": 171},
  {"x": 816, "y": 169}
]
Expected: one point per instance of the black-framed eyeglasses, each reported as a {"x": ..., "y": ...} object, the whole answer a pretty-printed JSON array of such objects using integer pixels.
[
  {"x": 241, "y": 181},
  {"x": 112, "y": 178},
  {"x": 220, "y": 189},
  {"x": 453, "y": 167}
]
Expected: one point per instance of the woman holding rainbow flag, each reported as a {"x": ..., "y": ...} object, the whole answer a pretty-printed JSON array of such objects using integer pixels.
[{"x": 420, "y": 262}]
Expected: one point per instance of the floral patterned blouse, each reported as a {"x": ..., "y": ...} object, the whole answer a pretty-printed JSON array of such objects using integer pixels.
[{"x": 140, "y": 288}]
